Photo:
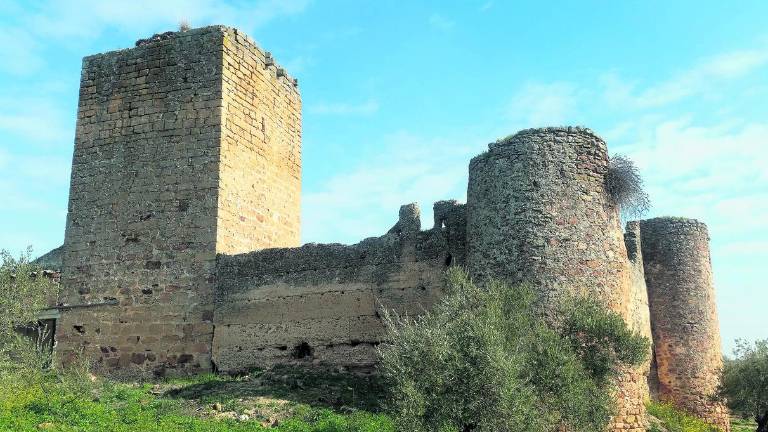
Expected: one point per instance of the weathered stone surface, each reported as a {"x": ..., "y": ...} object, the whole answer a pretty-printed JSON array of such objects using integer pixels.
[
  {"x": 323, "y": 303},
  {"x": 538, "y": 212},
  {"x": 686, "y": 331},
  {"x": 186, "y": 146},
  {"x": 181, "y": 243}
]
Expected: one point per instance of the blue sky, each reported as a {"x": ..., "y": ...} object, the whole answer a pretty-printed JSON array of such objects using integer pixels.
[{"x": 398, "y": 96}]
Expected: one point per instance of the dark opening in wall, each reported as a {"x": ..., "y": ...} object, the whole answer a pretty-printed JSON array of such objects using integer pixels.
[
  {"x": 448, "y": 260},
  {"x": 301, "y": 351},
  {"x": 78, "y": 328}
]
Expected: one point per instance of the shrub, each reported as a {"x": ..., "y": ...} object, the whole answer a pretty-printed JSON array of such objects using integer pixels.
[
  {"x": 744, "y": 381},
  {"x": 624, "y": 185},
  {"x": 675, "y": 420},
  {"x": 482, "y": 361},
  {"x": 24, "y": 291}
]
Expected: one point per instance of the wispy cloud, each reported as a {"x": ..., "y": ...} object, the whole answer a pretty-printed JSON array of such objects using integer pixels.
[
  {"x": 342, "y": 108},
  {"x": 699, "y": 79},
  {"x": 485, "y": 6},
  {"x": 23, "y": 119},
  {"x": 79, "y": 21},
  {"x": 543, "y": 104},
  {"x": 440, "y": 22},
  {"x": 363, "y": 200}
]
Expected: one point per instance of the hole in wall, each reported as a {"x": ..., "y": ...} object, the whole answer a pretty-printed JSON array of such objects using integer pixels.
[
  {"x": 78, "y": 328},
  {"x": 146, "y": 291},
  {"x": 448, "y": 260},
  {"x": 302, "y": 350}
]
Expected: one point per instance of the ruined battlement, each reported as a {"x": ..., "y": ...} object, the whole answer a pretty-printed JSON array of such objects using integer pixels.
[{"x": 182, "y": 251}]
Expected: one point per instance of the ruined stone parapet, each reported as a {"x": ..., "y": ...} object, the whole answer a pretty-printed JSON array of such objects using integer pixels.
[
  {"x": 322, "y": 304},
  {"x": 686, "y": 332},
  {"x": 538, "y": 212}
]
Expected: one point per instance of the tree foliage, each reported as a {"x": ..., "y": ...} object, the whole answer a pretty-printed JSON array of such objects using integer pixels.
[
  {"x": 744, "y": 380},
  {"x": 24, "y": 291},
  {"x": 481, "y": 360}
]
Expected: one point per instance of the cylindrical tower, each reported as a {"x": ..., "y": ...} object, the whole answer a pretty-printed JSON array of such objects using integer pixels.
[
  {"x": 681, "y": 297},
  {"x": 538, "y": 211}
]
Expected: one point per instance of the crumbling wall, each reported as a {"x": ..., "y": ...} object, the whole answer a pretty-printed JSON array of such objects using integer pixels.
[
  {"x": 181, "y": 151},
  {"x": 538, "y": 212},
  {"x": 684, "y": 321},
  {"x": 322, "y": 303}
]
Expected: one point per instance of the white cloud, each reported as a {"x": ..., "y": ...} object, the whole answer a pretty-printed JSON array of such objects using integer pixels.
[
  {"x": 485, "y": 6},
  {"x": 440, "y": 22},
  {"x": 700, "y": 79},
  {"x": 365, "y": 108},
  {"x": 84, "y": 20},
  {"x": 364, "y": 200},
  {"x": 539, "y": 104},
  {"x": 35, "y": 120}
]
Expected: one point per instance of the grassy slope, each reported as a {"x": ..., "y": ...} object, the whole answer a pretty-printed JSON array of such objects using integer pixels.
[
  {"x": 284, "y": 399},
  {"x": 281, "y": 400}
]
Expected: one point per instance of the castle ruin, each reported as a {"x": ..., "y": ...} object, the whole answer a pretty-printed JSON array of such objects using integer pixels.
[{"x": 182, "y": 246}]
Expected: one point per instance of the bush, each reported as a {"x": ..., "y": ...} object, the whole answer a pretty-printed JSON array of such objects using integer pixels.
[
  {"x": 482, "y": 361},
  {"x": 675, "y": 420},
  {"x": 624, "y": 185},
  {"x": 24, "y": 291},
  {"x": 744, "y": 381}
]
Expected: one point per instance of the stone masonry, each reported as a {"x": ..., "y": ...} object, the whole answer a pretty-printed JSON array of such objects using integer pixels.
[
  {"x": 538, "y": 212},
  {"x": 185, "y": 148},
  {"x": 182, "y": 251},
  {"x": 683, "y": 315}
]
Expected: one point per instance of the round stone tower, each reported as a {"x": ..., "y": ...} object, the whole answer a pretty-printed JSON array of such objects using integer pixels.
[
  {"x": 538, "y": 211},
  {"x": 681, "y": 297}
]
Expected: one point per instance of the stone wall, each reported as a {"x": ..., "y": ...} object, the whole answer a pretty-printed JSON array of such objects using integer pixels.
[
  {"x": 537, "y": 211},
  {"x": 183, "y": 221},
  {"x": 686, "y": 332},
  {"x": 322, "y": 303},
  {"x": 156, "y": 182},
  {"x": 260, "y": 148}
]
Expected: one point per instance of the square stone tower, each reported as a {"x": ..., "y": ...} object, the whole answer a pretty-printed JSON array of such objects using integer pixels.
[{"x": 187, "y": 146}]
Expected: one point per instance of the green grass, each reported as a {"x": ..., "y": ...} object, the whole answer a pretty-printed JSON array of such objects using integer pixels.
[
  {"x": 201, "y": 403},
  {"x": 675, "y": 420},
  {"x": 742, "y": 425}
]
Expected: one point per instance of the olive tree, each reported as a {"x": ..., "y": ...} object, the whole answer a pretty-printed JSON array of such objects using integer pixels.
[
  {"x": 483, "y": 360},
  {"x": 24, "y": 291},
  {"x": 744, "y": 382}
]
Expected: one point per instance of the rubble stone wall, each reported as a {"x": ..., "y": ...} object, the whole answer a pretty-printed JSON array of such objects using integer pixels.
[
  {"x": 174, "y": 138},
  {"x": 684, "y": 319},
  {"x": 538, "y": 212},
  {"x": 323, "y": 303}
]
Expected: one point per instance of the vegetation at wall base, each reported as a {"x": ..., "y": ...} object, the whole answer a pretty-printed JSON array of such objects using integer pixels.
[
  {"x": 67, "y": 403},
  {"x": 676, "y": 420},
  {"x": 744, "y": 381},
  {"x": 483, "y": 360}
]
